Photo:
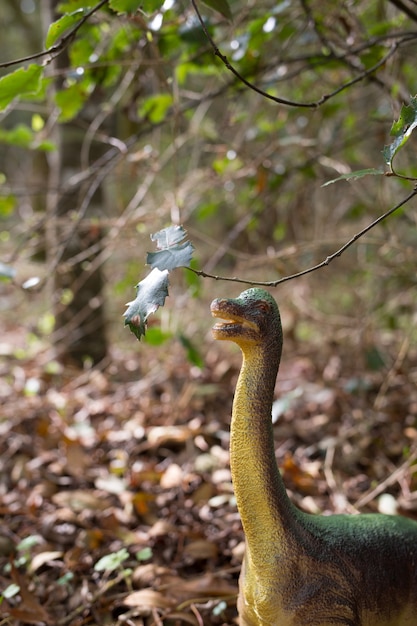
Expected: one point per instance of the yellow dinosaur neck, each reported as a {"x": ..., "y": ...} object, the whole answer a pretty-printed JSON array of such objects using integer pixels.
[{"x": 268, "y": 516}]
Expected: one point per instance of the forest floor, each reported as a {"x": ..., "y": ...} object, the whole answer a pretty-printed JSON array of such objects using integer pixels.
[{"x": 115, "y": 495}]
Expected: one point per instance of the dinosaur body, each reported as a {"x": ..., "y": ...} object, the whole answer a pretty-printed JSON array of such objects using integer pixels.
[{"x": 301, "y": 569}]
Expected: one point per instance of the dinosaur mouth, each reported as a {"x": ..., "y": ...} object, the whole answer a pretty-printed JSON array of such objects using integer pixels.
[
  {"x": 227, "y": 320},
  {"x": 226, "y": 324},
  {"x": 230, "y": 322}
]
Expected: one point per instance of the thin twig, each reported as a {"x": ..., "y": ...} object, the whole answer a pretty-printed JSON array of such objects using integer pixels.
[
  {"x": 106, "y": 586},
  {"x": 61, "y": 45},
  {"x": 197, "y": 614},
  {"x": 401, "y": 6},
  {"x": 339, "y": 500},
  {"x": 390, "y": 480},
  {"x": 395, "y": 368},
  {"x": 292, "y": 103},
  {"x": 323, "y": 263}
]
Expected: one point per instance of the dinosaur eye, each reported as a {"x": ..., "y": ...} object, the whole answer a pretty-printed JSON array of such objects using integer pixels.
[{"x": 263, "y": 306}]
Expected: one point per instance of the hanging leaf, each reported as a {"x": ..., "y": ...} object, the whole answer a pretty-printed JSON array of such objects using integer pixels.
[
  {"x": 72, "y": 5},
  {"x": 221, "y": 6},
  {"x": 60, "y": 27},
  {"x": 71, "y": 100},
  {"x": 150, "y": 295},
  {"x": 7, "y": 205},
  {"x": 355, "y": 175},
  {"x": 171, "y": 252},
  {"x": 401, "y": 130},
  {"x": 169, "y": 236},
  {"x": 156, "y": 107},
  {"x": 21, "y": 82},
  {"x": 150, "y": 6},
  {"x": 21, "y": 135},
  {"x": 126, "y": 6},
  {"x": 193, "y": 355}
]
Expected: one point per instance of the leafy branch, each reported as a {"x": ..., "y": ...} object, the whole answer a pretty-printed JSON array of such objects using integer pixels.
[
  {"x": 26, "y": 81},
  {"x": 57, "y": 27},
  {"x": 291, "y": 103},
  {"x": 401, "y": 130},
  {"x": 174, "y": 252},
  {"x": 151, "y": 292}
]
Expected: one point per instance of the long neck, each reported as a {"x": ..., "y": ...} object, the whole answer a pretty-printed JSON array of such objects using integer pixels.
[{"x": 265, "y": 509}]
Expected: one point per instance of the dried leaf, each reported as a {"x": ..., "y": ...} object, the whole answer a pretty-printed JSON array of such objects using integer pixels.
[
  {"x": 150, "y": 599},
  {"x": 200, "y": 549},
  {"x": 172, "y": 477},
  {"x": 78, "y": 500},
  {"x": 160, "y": 435},
  {"x": 38, "y": 560}
]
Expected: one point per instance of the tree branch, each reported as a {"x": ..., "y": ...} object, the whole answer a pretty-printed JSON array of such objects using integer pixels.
[
  {"x": 61, "y": 45},
  {"x": 401, "y": 6},
  {"x": 320, "y": 265},
  {"x": 291, "y": 103}
]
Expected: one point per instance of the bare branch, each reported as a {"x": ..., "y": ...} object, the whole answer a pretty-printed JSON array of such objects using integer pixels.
[
  {"x": 401, "y": 6},
  {"x": 323, "y": 263}
]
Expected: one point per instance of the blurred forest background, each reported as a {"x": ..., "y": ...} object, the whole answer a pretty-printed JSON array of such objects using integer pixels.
[{"x": 118, "y": 118}]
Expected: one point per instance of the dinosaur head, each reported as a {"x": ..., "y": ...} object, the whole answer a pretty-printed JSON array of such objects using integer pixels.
[{"x": 250, "y": 319}]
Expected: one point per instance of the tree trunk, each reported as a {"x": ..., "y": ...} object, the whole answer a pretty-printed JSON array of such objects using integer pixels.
[{"x": 74, "y": 243}]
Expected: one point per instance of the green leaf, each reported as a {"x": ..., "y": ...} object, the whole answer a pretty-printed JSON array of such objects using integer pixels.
[
  {"x": 145, "y": 554},
  {"x": 57, "y": 29},
  {"x": 45, "y": 146},
  {"x": 355, "y": 175},
  {"x": 221, "y": 6},
  {"x": 175, "y": 256},
  {"x": 126, "y": 6},
  {"x": 374, "y": 359},
  {"x": 10, "y": 591},
  {"x": 150, "y": 295},
  {"x": 193, "y": 354},
  {"x": 72, "y": 5},
  {"x": 131, "y": 6},
  {"x": 7, "y": 205},
  {"x": 70, "y": 101},
  {"x": 21, "y": 82},
  {"x": 169, "y": 236},
  {"x": 156, "y": 107},
  {"x": 193, "y": 280},
  {"x": 401, "y": 130},
  {"x": 150, "y": 6},
  {"x": 111, "y": 562},
  {"x": 29, "y": 542},
  {"x": 24, "y": 137},
  {"x": 156, "y": 336},
  {"x": 171, "y": 252},
  {"x": 21, "y": 135}
]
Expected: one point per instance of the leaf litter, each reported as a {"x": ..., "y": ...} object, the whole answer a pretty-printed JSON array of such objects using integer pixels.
[{"x": 115, "y": 494}]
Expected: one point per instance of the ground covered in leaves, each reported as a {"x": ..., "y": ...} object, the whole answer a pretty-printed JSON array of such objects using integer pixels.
[{"x": 115, "y": 495}]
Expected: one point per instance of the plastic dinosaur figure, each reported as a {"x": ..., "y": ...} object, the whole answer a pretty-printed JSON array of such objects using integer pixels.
[{"x": 302, "y": 569}]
